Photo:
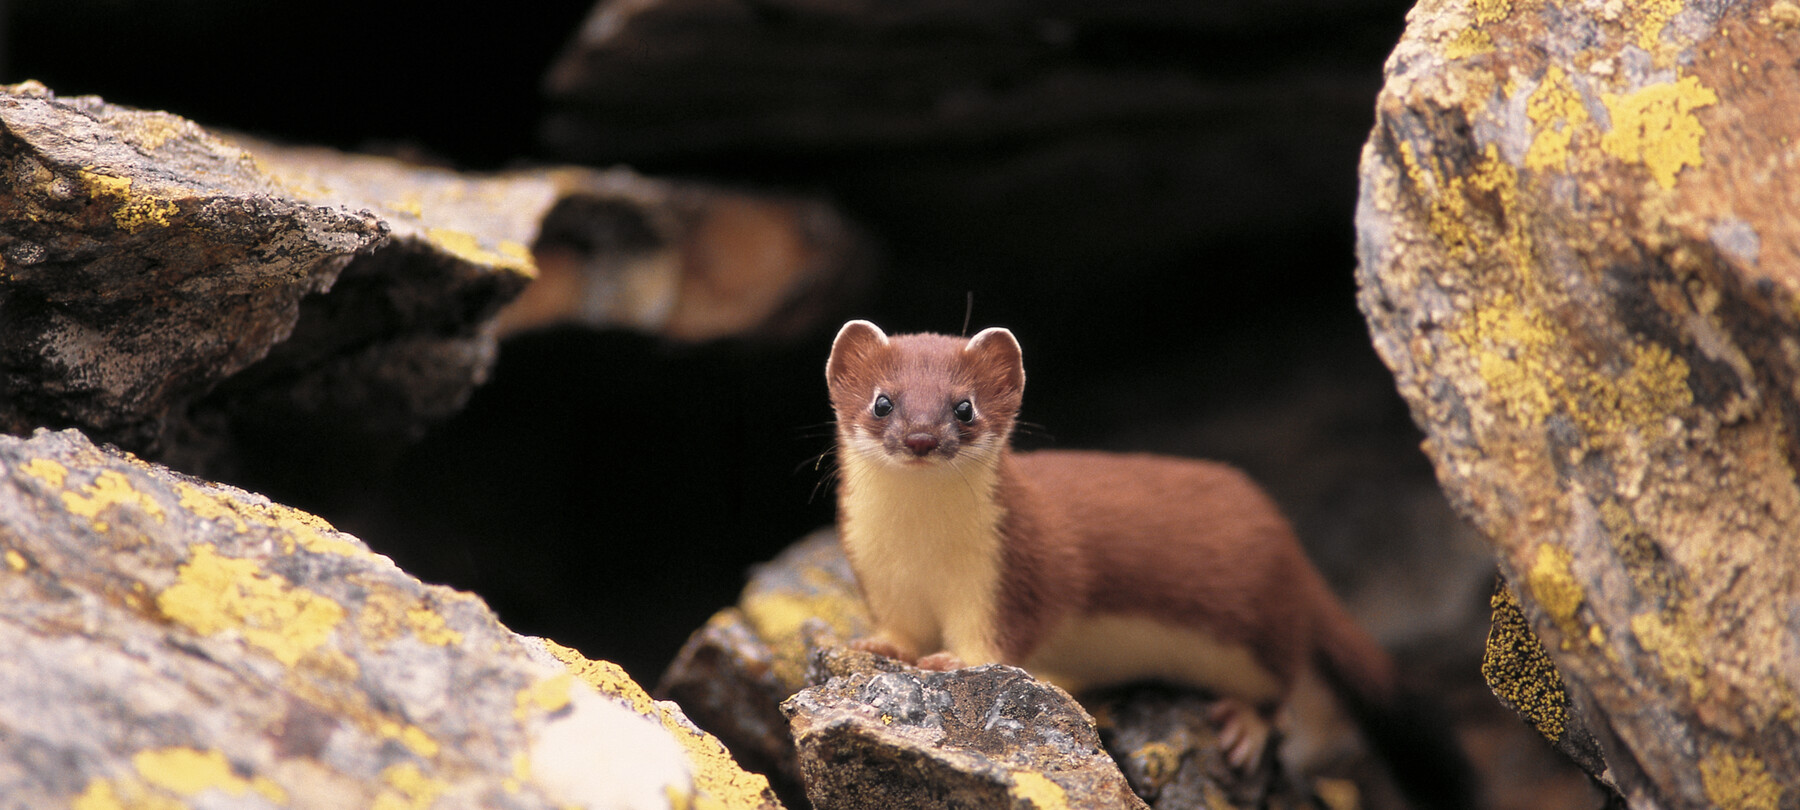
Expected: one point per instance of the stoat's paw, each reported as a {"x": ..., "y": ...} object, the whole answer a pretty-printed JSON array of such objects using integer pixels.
[
  {"x": 1243, "y": 733},
  {"x": 884, "y": 647},
  {"x": 941, "y": 662}
]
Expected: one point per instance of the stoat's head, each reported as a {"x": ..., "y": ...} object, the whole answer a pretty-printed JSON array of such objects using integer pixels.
[{"x": 924, "y": 400}]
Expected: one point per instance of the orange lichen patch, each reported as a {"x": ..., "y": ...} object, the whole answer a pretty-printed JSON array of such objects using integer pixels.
[
  {"x": 109, "y": 489},
  {"x": 1656, "y": 126},
  {"x": 1738, "y": 782},
  {"x": 215, "y": 594},
  {"x": 719, "y": 782}
]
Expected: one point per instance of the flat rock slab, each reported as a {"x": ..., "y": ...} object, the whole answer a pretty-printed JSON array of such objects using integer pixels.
[
  {"x": 173, "y": 641},
  {"x": 1578, "y": 257}
]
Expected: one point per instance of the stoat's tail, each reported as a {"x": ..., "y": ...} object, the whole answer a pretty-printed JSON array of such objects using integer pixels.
[{"x": 1411, "y": 733}]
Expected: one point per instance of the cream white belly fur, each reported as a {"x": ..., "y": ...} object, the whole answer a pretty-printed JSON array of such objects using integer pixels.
[
  {"x": 1104, "y": 650},
  {"x": 924, "y": 543}
]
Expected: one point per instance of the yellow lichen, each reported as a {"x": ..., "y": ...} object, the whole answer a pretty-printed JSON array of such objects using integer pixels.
[
  {"x": 1738, "y": 782},
  {"x": 15, "y": 560},
  {"x": 1556, "y": 113},
  {"x": 408, "y": 788},
  {"x": 1521, "y": 674},
  {"x": 1656, "y": 126},
  {"x": 46, "y": 470},
  {"x": 109, "y": 489},
  {"x": 123, "y": 794},
  {"x": 386, "y": 613},
  {"x": 521, "y": 773},
  {"x": 1554, "y": 587},
  {"x": 299, "y": 529},
  {"x": 215, "y": 594},
  {"x": 187, "y": 771},
  {"x": 1670, "y": 636},
  {"x": 719, "y": 782},
  {"x": 463, "y": 245},
  {"x": 1469, "y": 42},
  {"x": 777, "y": 616},
  {"x": 1650, "y": 17},
  {"x": 134, "y": 212},
  {"x": 542, "y": 696},
  {"x": 1037, "y": 789},
  {"x": 411, "y": 736}
]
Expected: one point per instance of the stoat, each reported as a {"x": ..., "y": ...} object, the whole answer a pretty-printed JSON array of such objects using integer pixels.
[{"x": 1087, "y": 569}]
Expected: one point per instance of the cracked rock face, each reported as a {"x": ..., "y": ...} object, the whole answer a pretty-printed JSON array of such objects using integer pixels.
[{"x": 1578, "y": 258}]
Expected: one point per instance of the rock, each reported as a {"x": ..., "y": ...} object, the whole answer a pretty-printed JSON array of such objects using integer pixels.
[
  {"x": 1576, "y": 258},
  {"x": 171, "y": 640},
  {"x": 878, "y": 735},
  {"x": 143, "y": 261},
  {"x": 214, "y": 303},
  {"x": 1167, "y": 744}
]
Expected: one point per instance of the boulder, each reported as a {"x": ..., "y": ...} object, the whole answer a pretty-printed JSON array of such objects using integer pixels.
[
  {"x": 875, "y": 734},
  {"x": 1577, "y": 257},
  {"x": 213, "y": 301},
  {"x": 172, "y": 640}
]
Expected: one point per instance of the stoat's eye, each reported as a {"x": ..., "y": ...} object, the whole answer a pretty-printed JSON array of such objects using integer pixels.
[
  {"x": 882, "y": 407},
  {"x": 965, "y": 411}
]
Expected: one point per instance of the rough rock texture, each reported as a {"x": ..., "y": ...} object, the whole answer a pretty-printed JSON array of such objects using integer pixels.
[
  {"x": 879, "y": 735},
  {"x": 1168, "y": 746},
  {"x": 215, "y": 303},
  {"x": 172, "y": 642},
  {"x": 1579, "y": 260},
  {"x": 142, "y": 261}
]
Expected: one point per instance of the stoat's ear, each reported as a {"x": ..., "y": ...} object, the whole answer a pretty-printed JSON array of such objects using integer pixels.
[
  {"x": 854, "y": 343},
  {"x": 998, "y": 353}
]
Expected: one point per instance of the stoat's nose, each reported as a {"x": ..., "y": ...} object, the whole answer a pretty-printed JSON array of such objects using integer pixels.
[{"x": 921, "y": 444}]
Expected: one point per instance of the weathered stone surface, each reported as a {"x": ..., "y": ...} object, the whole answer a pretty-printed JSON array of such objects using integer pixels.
[
  {"x": 142, "y": 261},
  {"x": 876, "y": 734},
  {"x": 1579, "y": 260},
  {"x": 171, "y": 641}
]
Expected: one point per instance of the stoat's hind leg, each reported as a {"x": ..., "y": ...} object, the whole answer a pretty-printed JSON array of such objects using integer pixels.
[
  {"x": 1243, "y": 733},
  {"x": 885, "y": 646},
  {"x": 941, "y": 662}
]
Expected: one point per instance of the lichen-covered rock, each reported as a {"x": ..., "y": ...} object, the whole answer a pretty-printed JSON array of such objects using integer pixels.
[
  {"x": 212, "y": 302},
  {"x": 174, "y": 642},
  {"x": 879, "y": 735},
  {"x": 142, "y": 261},
  {"x": 1577, "y": 255}
]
